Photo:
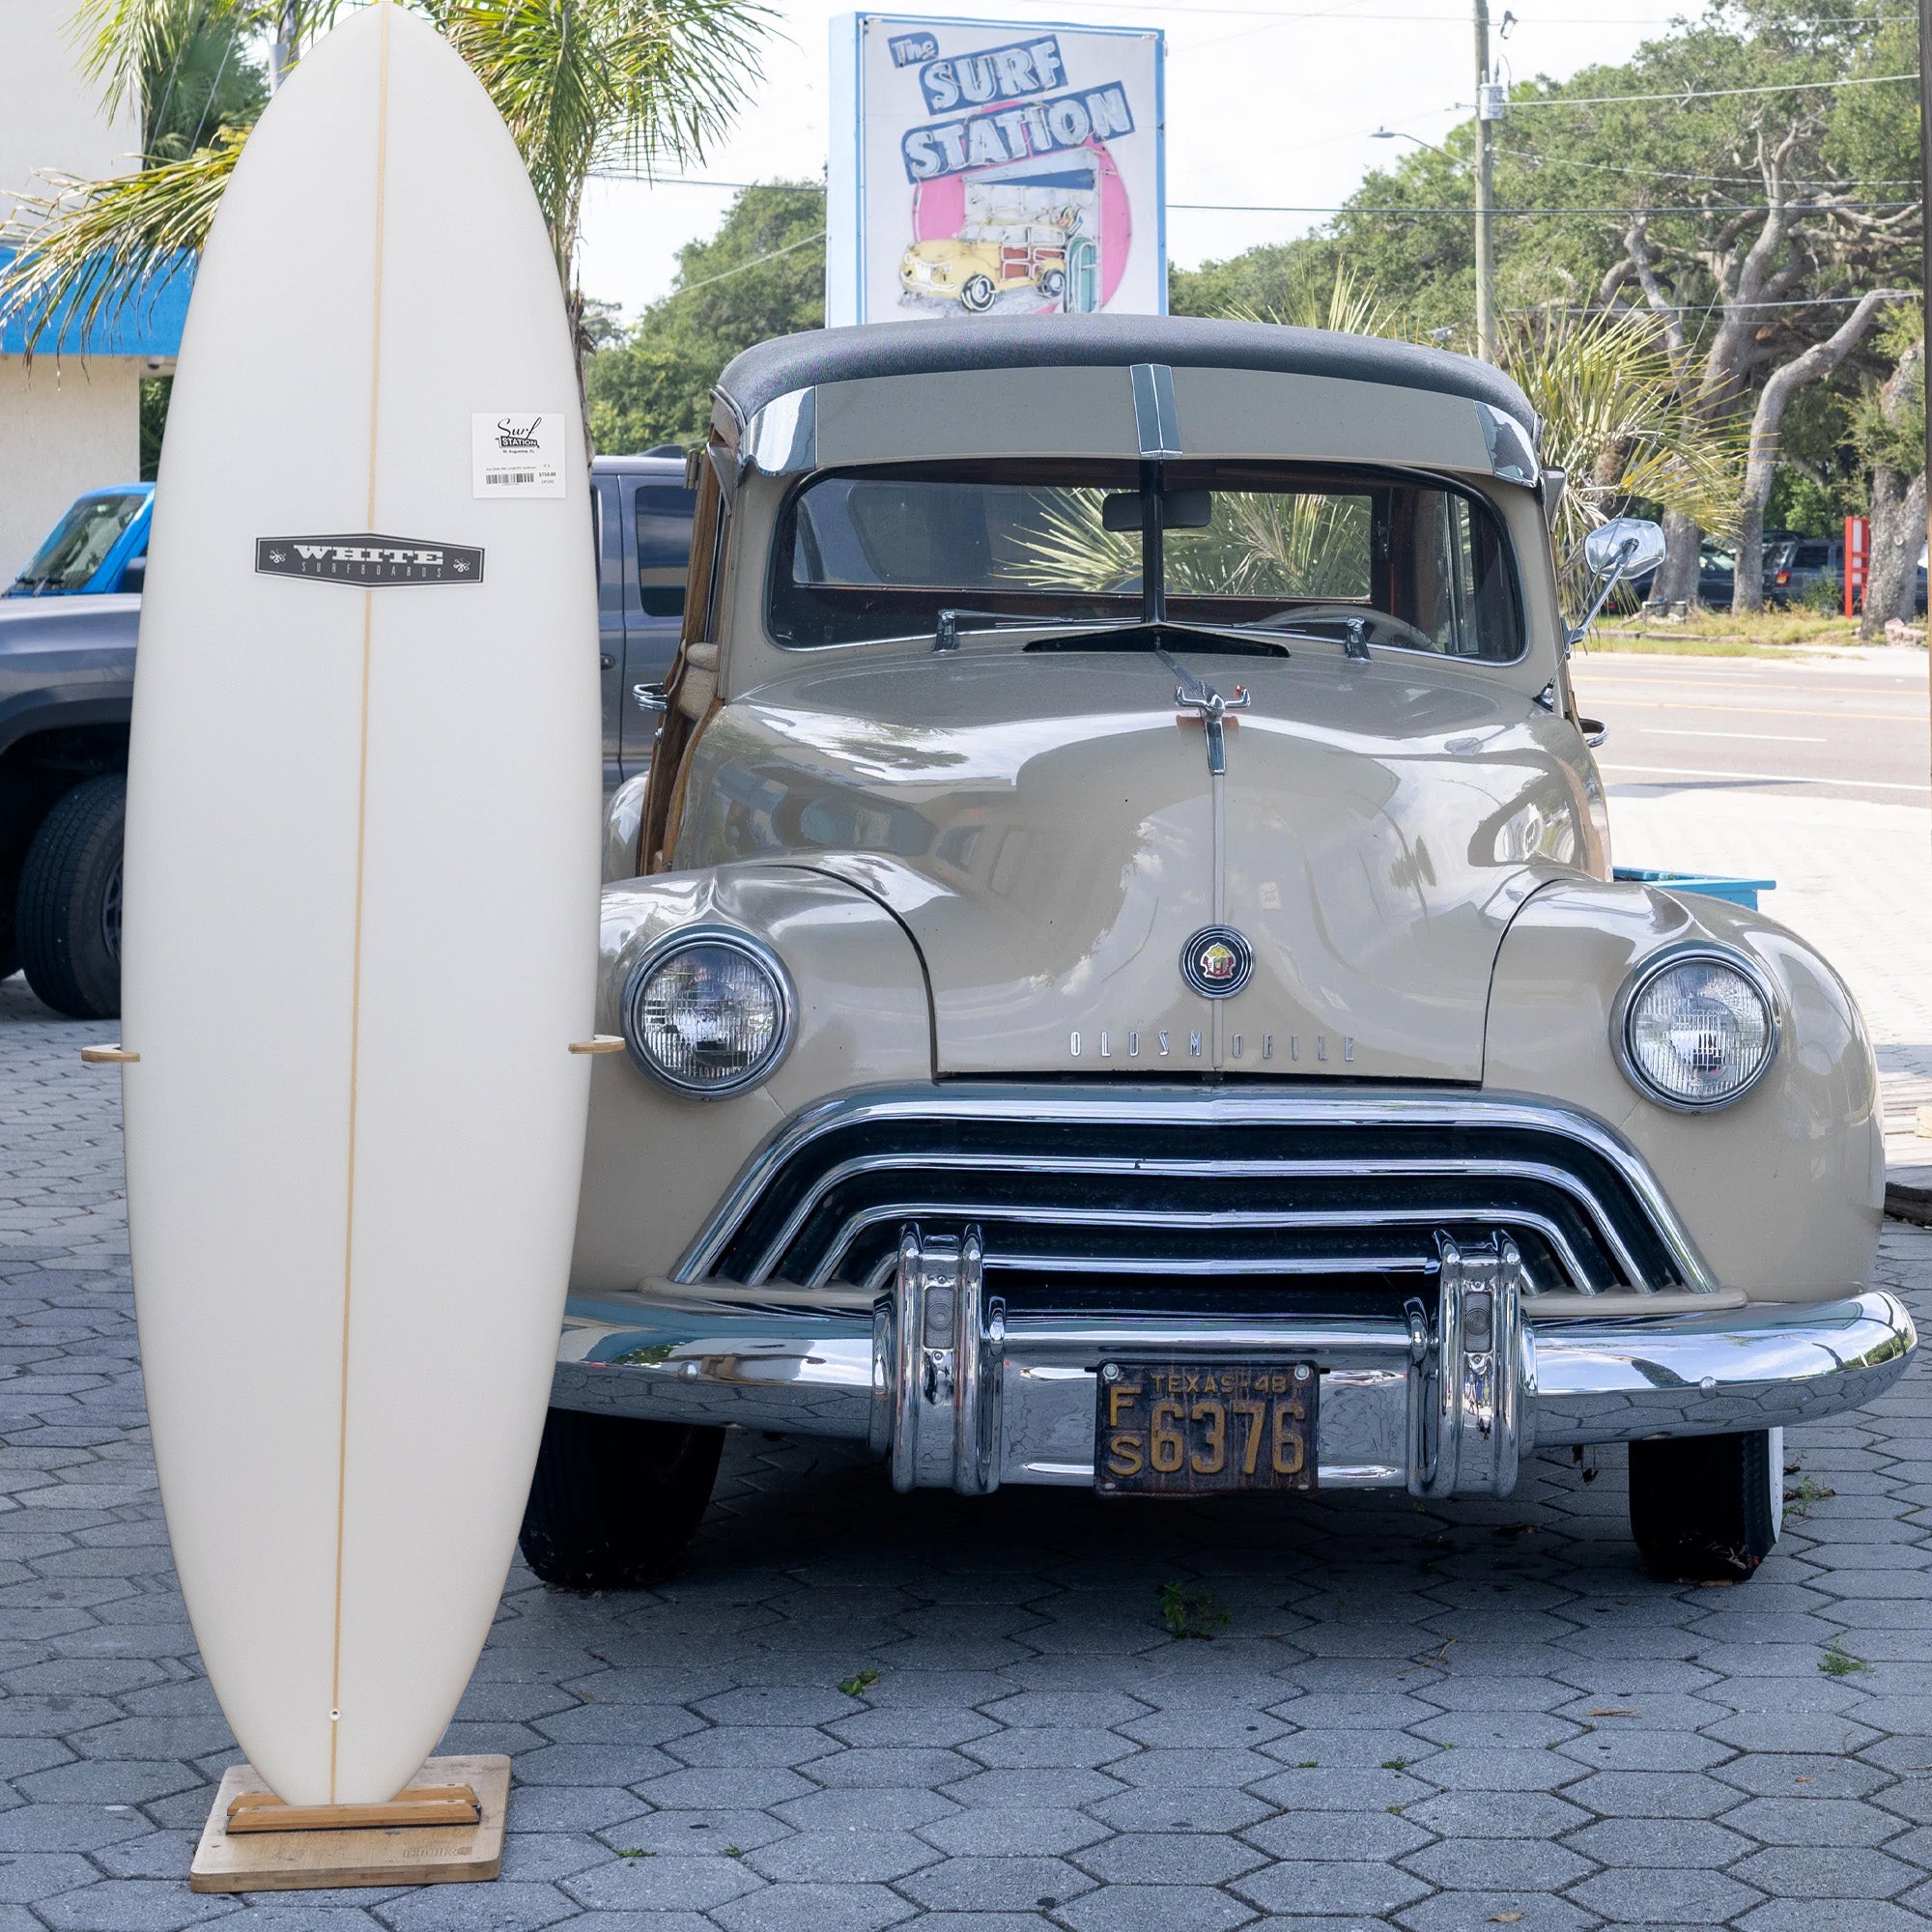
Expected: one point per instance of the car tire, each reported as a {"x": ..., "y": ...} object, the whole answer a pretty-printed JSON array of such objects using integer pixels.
[
  {"x": 615, "y": 1499},
  {"x": 67, "y": 912},
  {"x": 1707, "y": 1509},
  {"x": 1053, "y": 283},
  {"x": 977, "y": 294}
]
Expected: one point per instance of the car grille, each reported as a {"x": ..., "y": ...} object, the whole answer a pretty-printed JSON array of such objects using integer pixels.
[{"x": 1079, "y": 1199}]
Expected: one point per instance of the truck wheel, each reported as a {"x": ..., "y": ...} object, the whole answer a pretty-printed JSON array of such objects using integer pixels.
[
  {"x": 977, "y": 294},
  {"x": 68, "y": 914},
  {"x": 1706, "y": 1509},
  {"x": 615, "y": 1499}
]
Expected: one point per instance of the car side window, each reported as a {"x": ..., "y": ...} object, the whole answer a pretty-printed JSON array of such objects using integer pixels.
[{"x": 663, "y": 548}]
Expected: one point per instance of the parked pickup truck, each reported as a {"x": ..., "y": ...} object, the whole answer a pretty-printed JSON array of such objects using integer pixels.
[{"x": 68, "y": 626}]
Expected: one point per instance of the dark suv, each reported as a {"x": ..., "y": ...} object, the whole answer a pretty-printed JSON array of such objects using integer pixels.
[{"x": 68, "y": 630}]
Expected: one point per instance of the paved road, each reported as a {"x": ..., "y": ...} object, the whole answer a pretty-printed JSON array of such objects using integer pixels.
[
  {"x": 1844, "y": 727},
  {"x": 1435, "y": 1718}
]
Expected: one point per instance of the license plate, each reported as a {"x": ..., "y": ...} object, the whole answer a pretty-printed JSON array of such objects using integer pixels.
[{"x": 1189, "y": 1428}]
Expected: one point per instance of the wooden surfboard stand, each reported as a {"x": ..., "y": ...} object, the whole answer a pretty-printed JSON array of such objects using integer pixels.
[{"x": 444, "y": 1825}]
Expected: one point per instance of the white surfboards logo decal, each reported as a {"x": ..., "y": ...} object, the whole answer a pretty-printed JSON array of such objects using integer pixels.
[{"x": 368, "y": 559}]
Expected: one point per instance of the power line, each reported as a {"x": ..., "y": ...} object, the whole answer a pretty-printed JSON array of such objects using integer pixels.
[
  {"x": 1689, "y": 309},
  {"x": 1652, "y": 174},
  {"x": 1706, "y": 92},
  {"x": 1711, "y": 208}
]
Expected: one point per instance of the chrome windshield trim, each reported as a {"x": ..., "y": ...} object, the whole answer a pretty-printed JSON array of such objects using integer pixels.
[{"x": 1157, "y": 1106}]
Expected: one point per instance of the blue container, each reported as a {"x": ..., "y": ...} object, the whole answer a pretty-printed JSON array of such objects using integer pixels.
[{"x": 1739, "y": 892}]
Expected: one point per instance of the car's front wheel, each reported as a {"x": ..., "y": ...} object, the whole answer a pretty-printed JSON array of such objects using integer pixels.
[
  {"x": 1706, "y": 1509},
  {"x": 67, "y": 912},
  {"x": 977, "y": 294},
  {"x": 614, "y": 1499}
]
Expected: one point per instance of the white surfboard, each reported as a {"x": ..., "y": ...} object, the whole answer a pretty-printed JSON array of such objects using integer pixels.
[{"x": 361, "y": 906}]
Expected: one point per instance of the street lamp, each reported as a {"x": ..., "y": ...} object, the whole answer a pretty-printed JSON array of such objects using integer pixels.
[
  {"x": 1492, "y": 97},
  {"x": 1485, "y": 267}
]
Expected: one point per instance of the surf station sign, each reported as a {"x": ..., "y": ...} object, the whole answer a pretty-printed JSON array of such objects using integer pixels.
[{"x": 994, "y": 167}]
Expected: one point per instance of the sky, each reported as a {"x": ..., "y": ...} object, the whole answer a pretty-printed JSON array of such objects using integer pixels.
[{"x": 1273, "y": 104}]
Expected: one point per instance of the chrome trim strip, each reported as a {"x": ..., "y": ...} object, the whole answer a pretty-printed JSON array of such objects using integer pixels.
[
  {"x": 1156, "y": 419},
  {"x": 1182, "y": 1217},
  {"x": 1157, "y": 1106}
]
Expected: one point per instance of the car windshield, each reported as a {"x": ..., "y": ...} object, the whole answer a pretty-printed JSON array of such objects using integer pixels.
[
  {"x": 881, "y": 553},
  {"x": 81, "y": 540}
]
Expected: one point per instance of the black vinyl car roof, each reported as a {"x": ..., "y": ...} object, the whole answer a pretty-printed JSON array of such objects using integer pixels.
[{"x": 761, "y": 374}]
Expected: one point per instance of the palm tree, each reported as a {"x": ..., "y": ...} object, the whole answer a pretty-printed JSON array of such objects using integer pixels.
[{"x": 580, "y": 83}]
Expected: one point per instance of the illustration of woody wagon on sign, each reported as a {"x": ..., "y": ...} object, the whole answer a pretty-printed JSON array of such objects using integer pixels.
[{"x": 994, "y": 169}]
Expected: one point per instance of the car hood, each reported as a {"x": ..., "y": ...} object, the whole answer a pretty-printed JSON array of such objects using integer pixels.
[{"x": 1045, "y": 826}]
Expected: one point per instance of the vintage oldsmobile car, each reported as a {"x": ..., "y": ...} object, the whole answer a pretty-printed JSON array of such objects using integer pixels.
[{"x": 1124, "y": 985}]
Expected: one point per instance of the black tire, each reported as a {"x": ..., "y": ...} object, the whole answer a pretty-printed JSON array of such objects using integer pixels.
[
  {"x": 1704, "y": 1508},
  {"x": 977, "y": 295},
  {"x": 1053, "y": 283},
  {"x": 68, "y": 913},
  {"x": 614, "y": 1500}
]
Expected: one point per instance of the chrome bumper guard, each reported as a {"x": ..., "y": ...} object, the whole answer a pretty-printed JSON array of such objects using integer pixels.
[{"x": 953, "y": 1392}]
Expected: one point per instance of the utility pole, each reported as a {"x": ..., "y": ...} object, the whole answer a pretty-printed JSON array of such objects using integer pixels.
[{"x": 1487, "y": 108}]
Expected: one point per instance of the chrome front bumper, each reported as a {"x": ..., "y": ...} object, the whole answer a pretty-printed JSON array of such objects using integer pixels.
[{"x": 953, "y": 1392}]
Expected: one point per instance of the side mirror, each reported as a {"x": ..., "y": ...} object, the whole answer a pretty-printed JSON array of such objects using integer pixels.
[
  {"x": 1614, "y": 552},
  {"x": 1624, "y": 547}
]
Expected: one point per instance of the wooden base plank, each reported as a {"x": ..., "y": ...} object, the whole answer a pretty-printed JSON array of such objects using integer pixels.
[{"x": 387, "y": 1854}]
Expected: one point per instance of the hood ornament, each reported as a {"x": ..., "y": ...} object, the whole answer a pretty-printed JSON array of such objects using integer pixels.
[
  {"x": 1195, "y": 693},
  {"x": 1217, "y": 962}
]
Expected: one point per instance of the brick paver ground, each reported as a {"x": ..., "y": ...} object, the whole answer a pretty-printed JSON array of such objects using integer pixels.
[{"x": 1436, "y": 1718}]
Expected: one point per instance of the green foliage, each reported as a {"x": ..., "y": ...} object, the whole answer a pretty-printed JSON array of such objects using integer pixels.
[
  {"x": 859, "y": 1683},
  {"x": 1191, "y": 1614},
  {"x": 155, "y": 394},
  {"x": 1839, "y": 1662},
  {"x": 1617, "y": 424},
  {"x": 762, "y": 274},
  {"x": 580, "y": 84}
]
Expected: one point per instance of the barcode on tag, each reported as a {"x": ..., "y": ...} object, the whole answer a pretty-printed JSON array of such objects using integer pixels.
[{"x": 519, "y": 452}]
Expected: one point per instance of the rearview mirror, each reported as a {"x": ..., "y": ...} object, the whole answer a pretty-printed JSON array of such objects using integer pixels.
[{"x": 1179, "y": 510}]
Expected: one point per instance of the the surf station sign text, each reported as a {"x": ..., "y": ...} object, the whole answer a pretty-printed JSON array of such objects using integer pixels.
[{"x": 989, "y": 168}]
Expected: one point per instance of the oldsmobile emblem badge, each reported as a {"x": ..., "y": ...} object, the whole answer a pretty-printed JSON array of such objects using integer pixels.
[{"x": 1217, "y": 962}]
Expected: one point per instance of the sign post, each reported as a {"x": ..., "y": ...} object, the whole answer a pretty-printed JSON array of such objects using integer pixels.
[
  {"x": 988, "y": 168},
  {"x": 1858, "y": 562}
]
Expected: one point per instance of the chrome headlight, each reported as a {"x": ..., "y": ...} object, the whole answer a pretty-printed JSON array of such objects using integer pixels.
[
  {"x": 708, "y": 1012},
  {"x": 1696, "y": 1028}
]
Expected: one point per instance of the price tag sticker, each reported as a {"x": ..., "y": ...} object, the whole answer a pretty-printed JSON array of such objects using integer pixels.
[{"x": 516, "y": 453}]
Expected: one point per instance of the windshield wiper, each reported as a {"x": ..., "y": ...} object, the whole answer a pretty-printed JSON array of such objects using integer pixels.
[{"x": 1108, "y": 634}]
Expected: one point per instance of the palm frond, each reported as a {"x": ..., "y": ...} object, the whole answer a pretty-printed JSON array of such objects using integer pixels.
[
  {"x": 91, "y": 251},
  {"x": 1349, "y": 305},
  {"x": 1259, "y": 543},
  {"x": 1618, "y": 422},
  {"x": 630, "y": 83}
]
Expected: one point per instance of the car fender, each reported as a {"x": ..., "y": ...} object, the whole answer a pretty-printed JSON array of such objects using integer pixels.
[
  {"x": 657, "y": 1161},
  {"x": 1783, "y": 1190}
]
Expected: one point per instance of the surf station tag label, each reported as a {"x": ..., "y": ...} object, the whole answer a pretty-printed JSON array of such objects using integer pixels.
[
  {"x": 368, "y": 559},
  {"x": 516, "y": 453}
]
